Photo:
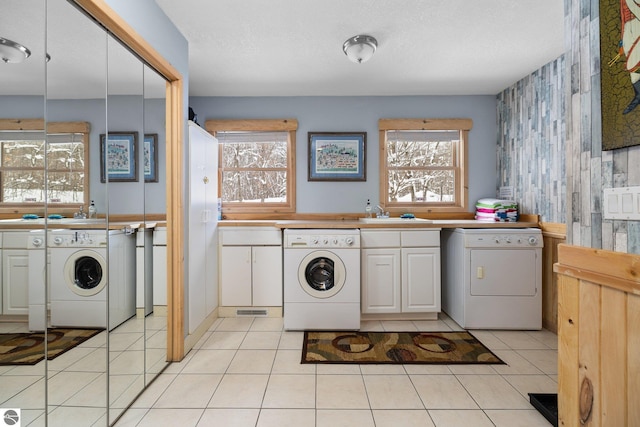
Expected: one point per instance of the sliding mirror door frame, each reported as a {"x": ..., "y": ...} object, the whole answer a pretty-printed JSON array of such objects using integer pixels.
[{"x": 175, "y": 123}]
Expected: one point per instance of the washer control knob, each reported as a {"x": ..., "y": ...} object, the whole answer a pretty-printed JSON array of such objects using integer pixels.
[
  {"x": 315, "y": 240},
  {"x": 58, "y": 240},
  {"x": 533, "y": 240},
  {"x": 37, "y": 242},
  {"x": 497, "y": 239},
  {"x": 507, "y": 239},
  {"x": 335, "y": 241},
  {"x": 325, "y": 241},
  {"x": 349, "y": 241}
]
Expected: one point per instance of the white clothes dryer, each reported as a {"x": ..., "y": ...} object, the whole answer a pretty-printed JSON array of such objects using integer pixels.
[
  {"x": 321, "y": 279},
  {"x": 84, "y": 291}
]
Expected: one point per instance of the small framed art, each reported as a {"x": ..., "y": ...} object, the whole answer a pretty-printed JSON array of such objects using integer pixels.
[
  {"x": 337, "y": 156},
  {"x": 120, "y": 149}
]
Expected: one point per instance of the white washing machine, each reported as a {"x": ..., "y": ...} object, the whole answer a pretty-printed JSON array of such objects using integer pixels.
[
  {"x": 39, "y": 286},
  {"x": 321, "y": 279},
  {"x": 81, "y": 283},
  {"x": 492, "y": 278}
]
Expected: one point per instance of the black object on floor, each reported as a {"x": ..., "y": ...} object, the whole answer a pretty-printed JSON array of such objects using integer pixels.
[{"x": 547, "y": 405}]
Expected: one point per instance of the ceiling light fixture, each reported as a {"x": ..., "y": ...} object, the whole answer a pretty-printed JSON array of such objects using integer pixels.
[
  {"x": 360, "y": 48},
  {"x": 12, "y": 52}
]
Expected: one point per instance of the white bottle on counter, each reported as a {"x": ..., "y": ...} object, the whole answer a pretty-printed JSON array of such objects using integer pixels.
[{"x": 92, "y": 210}]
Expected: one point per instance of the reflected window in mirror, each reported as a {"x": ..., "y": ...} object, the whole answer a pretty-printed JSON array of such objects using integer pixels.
[{"x": 25, "y": 153}]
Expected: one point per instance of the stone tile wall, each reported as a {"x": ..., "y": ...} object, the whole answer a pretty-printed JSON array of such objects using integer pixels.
[
  {"x": 531, "y": 142},
  {"x": 549, "y": 141}
]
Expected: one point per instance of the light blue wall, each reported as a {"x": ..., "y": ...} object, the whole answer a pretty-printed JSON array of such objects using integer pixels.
[
  {"x": 124, "y": 115},
  {"x": 357, "y": 114}
]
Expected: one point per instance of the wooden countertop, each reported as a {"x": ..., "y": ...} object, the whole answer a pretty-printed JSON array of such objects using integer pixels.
[
  {"x": 329, "y": 224},
  {"x": 75, "y": 224}
]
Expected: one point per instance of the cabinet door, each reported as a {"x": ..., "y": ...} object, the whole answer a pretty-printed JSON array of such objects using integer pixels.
[
  {"x": 235, "y": 276},
  {"x": 380, "y": 276},
  {"x": 267, "y": 276},
  {"x": 15, "y": 281},
  {"x": 421, "y": 279}
]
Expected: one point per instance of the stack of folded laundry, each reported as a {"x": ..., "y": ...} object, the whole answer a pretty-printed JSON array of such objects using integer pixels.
[{"x": 496, "y": 210}]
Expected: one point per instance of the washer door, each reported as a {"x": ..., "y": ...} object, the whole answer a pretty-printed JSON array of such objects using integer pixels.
[
  {"x": 85, "y": 273},
  {"x": 322, "y": 274}
]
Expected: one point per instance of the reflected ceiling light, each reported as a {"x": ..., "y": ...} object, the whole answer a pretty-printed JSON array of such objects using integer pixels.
[
  {"x": 360, "y": 48},
  {"x": 12, "y": 52}
]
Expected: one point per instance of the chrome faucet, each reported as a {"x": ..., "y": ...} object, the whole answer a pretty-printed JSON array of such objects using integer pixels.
[
  {"x": 380, "y": 213},
  {"x": 80, "y": 214}
]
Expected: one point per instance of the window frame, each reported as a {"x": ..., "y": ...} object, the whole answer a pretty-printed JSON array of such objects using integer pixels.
[
  {"x": 461, "y": 191},
  {"x": 230, "y": 209},
  {"x": 83, "y": 128}
]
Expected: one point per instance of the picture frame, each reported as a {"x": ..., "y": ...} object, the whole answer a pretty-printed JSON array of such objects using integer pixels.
[
  {"x": 619, "y": 87},
  {"x": 150, "y": 156},
  {"x": 120, "y": 150},
  {"x": 337, "y": 156}
]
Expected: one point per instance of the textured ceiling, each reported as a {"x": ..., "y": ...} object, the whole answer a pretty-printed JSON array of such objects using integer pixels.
[{"x": 294, "y": 47}]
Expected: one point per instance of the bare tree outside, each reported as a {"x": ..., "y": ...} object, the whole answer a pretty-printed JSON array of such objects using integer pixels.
[
  {"x": 254, "y": 171},
  {"x": 22, "y": 166},
  {"x": 422, "y": 166}
]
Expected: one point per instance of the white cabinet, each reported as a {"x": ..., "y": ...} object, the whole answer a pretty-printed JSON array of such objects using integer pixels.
[
  {"x": 381, "y": 289},
  {"x": 420, "y": 280},
  {"x": 400, "y": 271},
  {"x": 15, "y": 273},
  {"x": 202, "y": 225},
  {"x": 251, "y": 267}
]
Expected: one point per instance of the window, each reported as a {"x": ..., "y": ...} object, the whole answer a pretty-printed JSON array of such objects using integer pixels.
[
  {"x": 23, "y": 162},
  {"x": 256, "y": 165},
  {"x": 423, "y": 164}
]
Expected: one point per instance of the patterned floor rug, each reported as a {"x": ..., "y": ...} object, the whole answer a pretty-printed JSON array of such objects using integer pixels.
[
  {"x": 28, "y": 348},
  {"x": 395, "y": 347}
]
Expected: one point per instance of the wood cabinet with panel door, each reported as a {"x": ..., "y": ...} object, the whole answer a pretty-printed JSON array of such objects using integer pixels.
[
  {"x": 400, "y": 271},
  {"x": 251, "y": 267},
  {"x": 15, "y": 273}
]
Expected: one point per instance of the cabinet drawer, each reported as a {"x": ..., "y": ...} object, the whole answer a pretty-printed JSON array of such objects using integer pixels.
[
  {"x": 379, "y": 239},
  {"x": 15, "y": 239},
  {"x": 422, "y": 238},
  {"x": 251, "y": 236}
]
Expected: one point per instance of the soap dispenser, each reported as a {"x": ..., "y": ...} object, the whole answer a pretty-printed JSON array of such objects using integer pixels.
[
  {"x": 368, "y": 208},
  {"x": 92, "y": 210}
]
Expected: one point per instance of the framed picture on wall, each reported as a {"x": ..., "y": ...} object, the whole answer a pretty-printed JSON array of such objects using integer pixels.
[
  {"x": 118, "y": 157},
  {"x": 337, "y": 156},
  {"x": 619, "y": 74},
  {"x": 150, "y": 149}
]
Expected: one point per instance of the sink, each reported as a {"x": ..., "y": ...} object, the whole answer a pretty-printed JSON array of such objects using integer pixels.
[
  {"x": 395, "y": 220},
  {"x": 76, "y": 220}
]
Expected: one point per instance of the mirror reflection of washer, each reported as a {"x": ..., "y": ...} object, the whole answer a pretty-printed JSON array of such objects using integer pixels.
[
  {"x": 85, "y": 276},
  {"x": 321, "y": 279}
]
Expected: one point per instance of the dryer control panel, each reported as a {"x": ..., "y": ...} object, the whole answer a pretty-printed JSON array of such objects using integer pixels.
[
  {"x": 79, "y": 238},
  {"x": 334, "y": 240},
  {"x": 504, "y": 238}
]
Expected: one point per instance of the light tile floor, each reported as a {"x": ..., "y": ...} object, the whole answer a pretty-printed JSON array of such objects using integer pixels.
[{"x": 247, "y": 372}]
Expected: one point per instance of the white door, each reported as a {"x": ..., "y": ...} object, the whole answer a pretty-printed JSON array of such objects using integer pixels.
[
  {"x": 380, "y": 274},
  {"x": 421, "y": 279},
  {"x": 203, "y": 190},
  {"x": 15, "y": 281},
  {"x": 235, "y": 276},
  {"x": 504, "y": 272},
  {"x": 267, "y": 276}
]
